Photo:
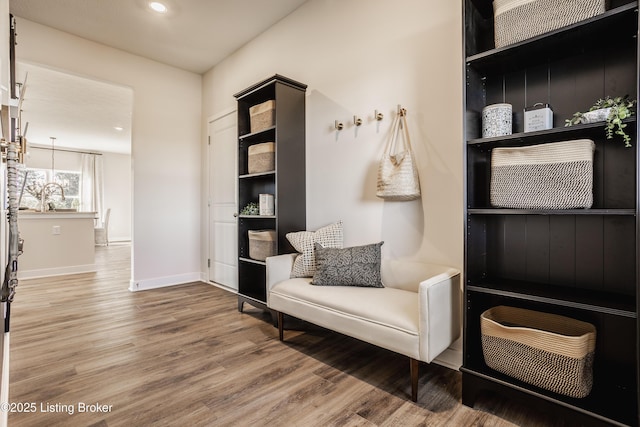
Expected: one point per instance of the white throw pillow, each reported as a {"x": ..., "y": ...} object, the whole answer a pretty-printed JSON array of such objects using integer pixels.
[{"x": 304, "y": 242}]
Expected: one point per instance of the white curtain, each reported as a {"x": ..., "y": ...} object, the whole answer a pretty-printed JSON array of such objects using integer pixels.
[{"x": 92, "y": 187}]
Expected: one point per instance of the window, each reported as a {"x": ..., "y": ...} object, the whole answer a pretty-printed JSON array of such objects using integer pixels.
[{"x": 37, "y": 178}]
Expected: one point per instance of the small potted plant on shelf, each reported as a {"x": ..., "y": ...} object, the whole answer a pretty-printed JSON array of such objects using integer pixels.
[
  {"x": 252, "y": 208},
  {"x": 612, "y": 111}
]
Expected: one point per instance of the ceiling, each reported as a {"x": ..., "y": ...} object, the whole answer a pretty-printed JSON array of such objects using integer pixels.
[
  {"x": 81, "y": 113},
  {"x": 193, "y": 35}
]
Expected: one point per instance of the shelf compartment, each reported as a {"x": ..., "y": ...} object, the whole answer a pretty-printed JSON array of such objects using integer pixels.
[
  {"x": 570, "y": 83},
  {"x": 561, "y": 296},
  {"x": 250, "y": 188},
  {"x": 614, "y": 176},
  {"x": 583, "y": 35},
  {"x": 247, "y": 141},
  {"x": 612, "y": 406},
  {"x": 614, "y": 371},
  {"x": 585, "y": 252},
  {"x": 252, "y": 279},
  {"x": 253, "y": 222}
]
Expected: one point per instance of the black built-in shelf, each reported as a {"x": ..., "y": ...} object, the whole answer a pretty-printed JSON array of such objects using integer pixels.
[
  {"x": 286, "y": 182},
  {"x": 580, "y": 263}
]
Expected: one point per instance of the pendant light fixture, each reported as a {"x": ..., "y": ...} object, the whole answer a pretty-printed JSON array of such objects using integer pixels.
[{"x": 53, "y": 158}]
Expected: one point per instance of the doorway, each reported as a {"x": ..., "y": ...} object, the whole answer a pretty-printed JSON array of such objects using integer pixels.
[{"x": 86, "y": 117}]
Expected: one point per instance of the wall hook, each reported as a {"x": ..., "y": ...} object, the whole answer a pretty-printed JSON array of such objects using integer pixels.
[
  {"x": 401, "y": 111},
  {"x": 378, "y": 116},
  {"x": 357, "y": 120},
  {"x": 339, "y": 125}
]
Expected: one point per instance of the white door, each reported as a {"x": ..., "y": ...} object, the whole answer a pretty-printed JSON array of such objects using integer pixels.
[{"x": 223, "y": 234}]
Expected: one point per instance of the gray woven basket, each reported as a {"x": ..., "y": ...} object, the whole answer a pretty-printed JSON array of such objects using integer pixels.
[
  {"x": 262, "y": 158},
  {"x": 518, "y": 20},
  {"x": 262, "y": 116},
  {"x": 262, "y": 244},
  {"x": 546, "y": 350},
  {"x": 557, "y": 175}
]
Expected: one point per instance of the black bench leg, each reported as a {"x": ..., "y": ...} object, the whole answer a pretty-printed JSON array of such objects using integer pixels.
[
  {"x": 413, "y": 369},
  {"x": 281, "y": 325}
]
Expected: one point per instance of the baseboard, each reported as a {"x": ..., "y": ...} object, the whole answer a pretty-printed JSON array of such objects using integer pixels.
[
  {"x": 163, "y": 282},
  {"x": 204, "y": 277},
  {"x": 223, "y": 287},
  {"x": 56, "y": 271},
  {"x": 119, "y": 239}
]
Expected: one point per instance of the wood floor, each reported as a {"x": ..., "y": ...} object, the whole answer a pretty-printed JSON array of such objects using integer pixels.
[{"x": 184, "y": 356}]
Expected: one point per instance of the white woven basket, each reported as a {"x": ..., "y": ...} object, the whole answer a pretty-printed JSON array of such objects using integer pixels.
[
  {"x": 518, "y": 20},
  {"x": 557, "y": 175},
  {"x": 546, "y": 350}
]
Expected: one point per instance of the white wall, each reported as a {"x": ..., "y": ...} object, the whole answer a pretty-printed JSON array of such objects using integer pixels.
[
  {"x": 64, "y": 160},
  {"x": 356, "y": 57},
  {"x": 165, "y": 148},
  {"x": 117, "y": 194}
]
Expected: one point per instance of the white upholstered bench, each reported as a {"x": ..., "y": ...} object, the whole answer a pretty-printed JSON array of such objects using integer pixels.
[{"x": 416, "y": 314}]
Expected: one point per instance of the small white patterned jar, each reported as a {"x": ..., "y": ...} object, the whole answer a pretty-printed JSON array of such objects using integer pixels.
[{"x": 496, "y": 120}]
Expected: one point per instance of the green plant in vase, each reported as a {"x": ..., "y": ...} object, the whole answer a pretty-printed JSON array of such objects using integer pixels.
[{"x": 612, "y": 111}]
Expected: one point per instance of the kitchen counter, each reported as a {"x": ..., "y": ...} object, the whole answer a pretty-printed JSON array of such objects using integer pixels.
[
  {"x": 56, "y": 243},
  {"x": 28, "y": 214}
]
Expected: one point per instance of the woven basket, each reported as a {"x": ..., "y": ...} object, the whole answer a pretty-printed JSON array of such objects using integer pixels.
[
  {"x": 517, "y": 20},
  {"x": 546, "y": 350},
  {"x": 262, "y": 116},
  {"x": 557, "y": 175},
  {"x": 262, "y": 244},
  {"x": 262, "y": 158}
]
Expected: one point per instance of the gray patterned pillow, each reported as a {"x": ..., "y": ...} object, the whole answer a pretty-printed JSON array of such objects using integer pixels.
[
  {"x": 355, "y": 266},
  {"x": 329, "y": 236}
]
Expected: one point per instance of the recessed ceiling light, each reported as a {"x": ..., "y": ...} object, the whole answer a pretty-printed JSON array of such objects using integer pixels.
[
  {"x": 158, "y": 7},
  {"x": 118, "y": 128}
]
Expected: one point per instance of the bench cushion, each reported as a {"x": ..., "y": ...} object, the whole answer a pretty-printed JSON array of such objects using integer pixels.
[{"x": 385, "y": 317}]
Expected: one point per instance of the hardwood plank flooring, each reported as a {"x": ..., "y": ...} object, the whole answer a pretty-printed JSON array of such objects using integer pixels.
[{"x": 184, "y": 356}]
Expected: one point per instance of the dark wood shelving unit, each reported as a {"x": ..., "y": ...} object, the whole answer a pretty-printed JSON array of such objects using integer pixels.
[
  {"x": 580, "y": 263},
  {"x": 286, "y": 182}
]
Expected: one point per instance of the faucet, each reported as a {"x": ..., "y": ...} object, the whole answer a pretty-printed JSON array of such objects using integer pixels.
[{"x": 44, "y": 194}]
